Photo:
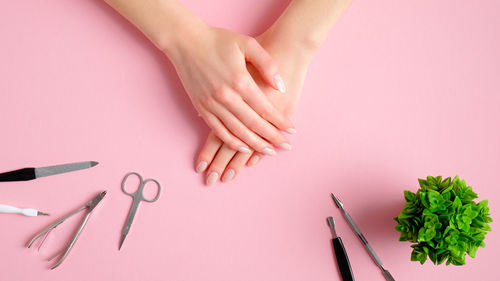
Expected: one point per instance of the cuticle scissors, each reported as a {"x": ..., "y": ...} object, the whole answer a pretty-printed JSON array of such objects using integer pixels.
[{"x": 138, "y": 197}]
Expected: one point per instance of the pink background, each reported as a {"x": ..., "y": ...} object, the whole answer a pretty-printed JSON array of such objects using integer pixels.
[{"x": 397, "y": 92}]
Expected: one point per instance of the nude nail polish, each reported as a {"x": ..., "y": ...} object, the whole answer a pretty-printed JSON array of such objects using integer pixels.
[
  {"x": 278, "y": 82},
  {"x": 286, "y": 146},
  {"x": 253, "y": 160},
  {"x": 228, "y": 175},
  {"x": 269, "y": 151},
  {"x": 212, "y": 178},
  {"x": 201, "y": 166},
  {"x": 244, "y": 149},
  {"x": 291, "y": 131}
]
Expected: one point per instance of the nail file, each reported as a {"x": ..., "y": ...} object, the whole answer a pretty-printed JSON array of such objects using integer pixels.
[{"x": 27, "y": 174}]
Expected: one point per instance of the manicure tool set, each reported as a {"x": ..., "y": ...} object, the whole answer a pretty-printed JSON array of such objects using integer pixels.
[
  {"x": 339, "y": 250},
  {"x": 27, "y": 174}
]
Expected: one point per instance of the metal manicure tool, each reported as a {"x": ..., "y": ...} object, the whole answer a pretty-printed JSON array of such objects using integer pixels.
[
  {"x": 354, "y": 227},
  {"x": 340, "y": 253},
  {"x": 138, "y": 197},
  {"x": 27, "y": 174},
  {"x": 90, "y": 207}
]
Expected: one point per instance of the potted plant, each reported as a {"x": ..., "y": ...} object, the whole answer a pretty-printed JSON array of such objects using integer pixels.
[{"x": 442, "y": 221}]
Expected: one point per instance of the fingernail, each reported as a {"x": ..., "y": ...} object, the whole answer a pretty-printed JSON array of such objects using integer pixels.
[
  {"x": 244, "y": 149},
  {"x": 201, "y": 166},
  {"x": 269, "y": 151},
  {"x": 228, "y": 175},
  {"x": 286, "y": 146},
  {"x": 291, "y": 131},
  {"x": 278, "y": 82},
  {"x": 253, "y": 160},
  {"x": 212, "y": 178}
]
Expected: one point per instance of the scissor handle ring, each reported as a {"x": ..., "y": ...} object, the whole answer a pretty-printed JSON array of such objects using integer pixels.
[
  {"x": 157, "y": 194},
  {"x": 141, "y": 183}
]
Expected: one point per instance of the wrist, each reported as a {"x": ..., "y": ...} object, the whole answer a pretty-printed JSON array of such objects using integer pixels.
[
  {"x": 280, "y": 43},
  {"x": 177, "y": 32}
]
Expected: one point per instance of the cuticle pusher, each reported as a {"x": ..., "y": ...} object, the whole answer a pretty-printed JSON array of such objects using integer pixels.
[{"x": 355, "y": 228}]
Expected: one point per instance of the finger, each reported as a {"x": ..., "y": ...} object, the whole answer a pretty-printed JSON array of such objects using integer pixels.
[
  {"x": 207, "y": 153},
  {"x": 242, "y": 132},
  {"x": 254, "y": 159},
  {"x": 257, "y": 124},
  {"x": 264, "y": 63},
  {"x": 222, "y": 132},
  {"x": 235, "y": 166},
  {"x": 259, "y": 102},
  {"x": 222, "y": 158}
]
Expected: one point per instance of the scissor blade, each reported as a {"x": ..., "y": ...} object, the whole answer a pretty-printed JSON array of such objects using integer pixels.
[
  {"x": 121, "y": 241},
  {"x": 129, "y": 221},
  {"x": 65, "y": 168}
]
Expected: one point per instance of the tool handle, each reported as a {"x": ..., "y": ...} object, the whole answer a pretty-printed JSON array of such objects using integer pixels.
[
  {"x": 25, "y": 174},
  {"x": 342, "y": 260},
  {"x": 14, "y": 210}
]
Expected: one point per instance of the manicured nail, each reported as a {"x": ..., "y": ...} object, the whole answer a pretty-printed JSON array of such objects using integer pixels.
[
  {"x": 278, "y": 82},
  {"x": 269, "y": 151},
  {"x": 212, "y": 178},
  {"x": 291, "y": 131},
  {"x": 201, "y": 166},
  {"x": 244, "y": 149},
  {"x": 253, "y": 160},
  {"x": 228, "y": 175},
  {"x": 286, "y": 146}
]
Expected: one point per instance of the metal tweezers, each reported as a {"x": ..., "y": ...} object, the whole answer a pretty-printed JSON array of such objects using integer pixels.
[{"x": 90, "y": 206}]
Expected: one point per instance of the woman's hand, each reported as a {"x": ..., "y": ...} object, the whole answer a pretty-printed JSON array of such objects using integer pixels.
[
  {"x": 221, "y": 159},
  {"x": 291, "y": 41},
  {"x": 211, "y": 64}
]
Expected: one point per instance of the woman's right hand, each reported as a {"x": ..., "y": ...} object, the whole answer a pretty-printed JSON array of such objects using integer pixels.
[{"x": 211, "y": 63}]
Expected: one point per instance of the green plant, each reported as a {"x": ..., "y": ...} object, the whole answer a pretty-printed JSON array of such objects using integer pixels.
[{"x": 443, "y": 221}]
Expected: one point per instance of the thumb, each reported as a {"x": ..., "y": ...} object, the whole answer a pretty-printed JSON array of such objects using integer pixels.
[{"x": 264, "y": 63}]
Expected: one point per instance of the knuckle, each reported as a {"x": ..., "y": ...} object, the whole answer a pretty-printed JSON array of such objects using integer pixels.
[
  {"x": 223, "y": 95},
  {"x": 223, "y": 135},
  {"x": 212, "y": 125},
  {"x": 240, "y": 82},
  {"x": 240, "y": 132},
  {"x": 252, "y": 123},
  {"x": 207, "y": 101},
  {"x": 267, "y": 111},
  {"x": 256, "y": 125},
  {"x": 270, "y": 65}
]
